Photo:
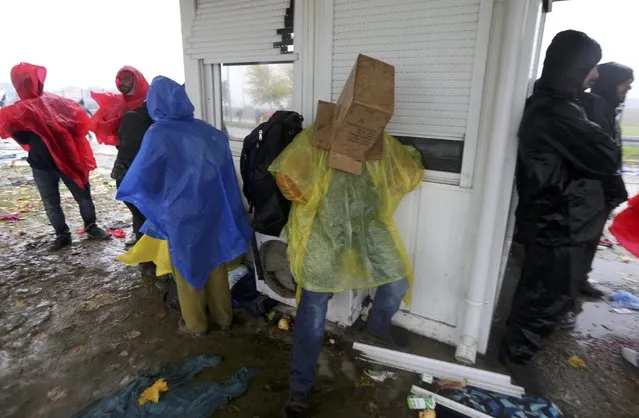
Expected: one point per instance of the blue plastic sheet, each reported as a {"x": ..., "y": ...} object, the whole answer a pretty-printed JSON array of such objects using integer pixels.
[
  {"x": 502, "y": 406},
  {"x": 184, "y": 182},
  {"x": 625, "y": 300},
  {"x": 184, "y": 398}
]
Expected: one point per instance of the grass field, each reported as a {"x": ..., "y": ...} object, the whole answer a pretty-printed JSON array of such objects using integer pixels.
[{"x": 630, "y": 129}]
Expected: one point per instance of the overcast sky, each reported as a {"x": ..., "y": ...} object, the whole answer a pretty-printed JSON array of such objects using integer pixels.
[
  {"x": 612, "y": 23},
  {"x": 84, "y": 42}
]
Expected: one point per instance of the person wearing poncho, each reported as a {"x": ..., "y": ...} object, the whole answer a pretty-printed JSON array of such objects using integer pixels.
[
  {"x": 53, "y": 130},
  {"x": 341, "y": 236},
  {"x": 122, "y": 120},
  {"x": 183, "y": 181}
]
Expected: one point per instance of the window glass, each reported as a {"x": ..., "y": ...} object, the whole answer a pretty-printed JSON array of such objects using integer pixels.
[{"x": 252, "y": 93}]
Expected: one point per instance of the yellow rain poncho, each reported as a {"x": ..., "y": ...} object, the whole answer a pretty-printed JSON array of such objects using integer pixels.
[
  {"x": 156, "y": 251},
  {"x": 341, "y": 234}
]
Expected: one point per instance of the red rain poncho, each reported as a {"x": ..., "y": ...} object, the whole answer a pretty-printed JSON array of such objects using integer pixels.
[
  {"x": 625, "y": 227},
  {"x": 61, "y": 123},
  {"x": 112, "y": 107}
]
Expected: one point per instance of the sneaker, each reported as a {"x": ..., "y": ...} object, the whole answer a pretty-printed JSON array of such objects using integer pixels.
[
  {"x": 95, "y": 232},
  {"x": 297, "y": 405},
  {"x": 588, "y": 289},
  {"x": 568, "y": 321},
  {"x": 60, "y": 242}
]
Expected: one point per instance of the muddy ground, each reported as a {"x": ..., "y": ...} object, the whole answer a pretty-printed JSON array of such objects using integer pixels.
[{"x": 77, "y": 325}]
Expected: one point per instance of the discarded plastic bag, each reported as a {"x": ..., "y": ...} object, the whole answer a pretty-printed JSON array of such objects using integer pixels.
[{"x": 625, "y": 300}]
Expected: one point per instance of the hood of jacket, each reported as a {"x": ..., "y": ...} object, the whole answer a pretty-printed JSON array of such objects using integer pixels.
[
  {"x": 167, "y": 100},
  {"x": 611, "y": 75},
  {"x": 28, "y": 80},
  {"x": 141, "y": 87},
  {"x": 569, "y": 59}
]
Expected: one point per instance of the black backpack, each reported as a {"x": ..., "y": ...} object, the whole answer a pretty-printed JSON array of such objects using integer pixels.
[{"x": 261, "y": 147}]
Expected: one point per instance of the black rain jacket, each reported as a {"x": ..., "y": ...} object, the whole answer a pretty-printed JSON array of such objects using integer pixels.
[
  {"x": 563, "y": 157},
  {"x": 604, "y": 108},
  {"x": 131, "y": 132}
]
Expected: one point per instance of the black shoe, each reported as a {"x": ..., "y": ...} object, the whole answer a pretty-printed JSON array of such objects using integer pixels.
[
  {"x": 95, "y": 232},
  {"x": 60, "y": 242},
  {"x": 568, "y": 321},
  {"x": 588, "y": 289},
  {"x": 524, "y": 375},
  {"x": 297, "y": 405}
]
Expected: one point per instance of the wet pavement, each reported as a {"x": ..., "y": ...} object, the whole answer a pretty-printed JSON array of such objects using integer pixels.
[{"x": 77, "y": 325}]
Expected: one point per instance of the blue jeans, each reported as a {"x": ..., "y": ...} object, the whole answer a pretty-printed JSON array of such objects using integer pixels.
[
  {"x": 311, "y": 319},
  {"x": 48, "y": 184}
]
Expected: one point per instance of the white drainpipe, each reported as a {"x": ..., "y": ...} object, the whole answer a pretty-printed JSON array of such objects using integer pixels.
[{"x": 482, "y": 259}]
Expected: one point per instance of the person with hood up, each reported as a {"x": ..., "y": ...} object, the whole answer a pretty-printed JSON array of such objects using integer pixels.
[
  {"x": 604, "y": 105},
  {"x": 122, "y": 120},
  {"x": 563, "y": 161},
  {"x": 53, "y": 130},
  {"x": 183, "y": 181}
]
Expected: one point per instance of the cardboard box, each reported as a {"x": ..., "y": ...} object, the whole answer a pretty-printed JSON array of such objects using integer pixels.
[
  {"x": 323, "y": 125},
  {"x": 363, "y": 110}
]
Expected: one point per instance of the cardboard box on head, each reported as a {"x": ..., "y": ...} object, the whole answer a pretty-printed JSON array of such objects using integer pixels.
[{"x": 353, "y": 129}]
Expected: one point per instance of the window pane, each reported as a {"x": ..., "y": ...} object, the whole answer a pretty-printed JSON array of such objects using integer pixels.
[
  {"x": 438, "y": 154},
  {"x": 252, "y": 93}
]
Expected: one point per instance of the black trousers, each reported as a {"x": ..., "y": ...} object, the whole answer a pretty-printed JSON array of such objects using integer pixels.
[
  {"x": 547, "y": 289},
  {"x": 48, "y": 184},
  {"x": 138, "y": 217}
]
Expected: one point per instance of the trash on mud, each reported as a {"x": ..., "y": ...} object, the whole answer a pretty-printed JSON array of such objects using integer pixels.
[
  {"x": 427, "y": 378},
  {"x": 428, "y": 413},
  {"x": 186, "y": 397},
  {"x": 77, "y": 350},
  {"x": 152, "y": 393},
  {"x": 624, "y": 300},
  {"x": 364, "y": 382},
  {"x": 625, "y": 259},
  {"x": 420, "y": 402},
  {"x": 20, "y": 304},
  {"x": 133, "y": 334},
  {"x": 124, "y": 353},
  {"x": 117, "y": 233},
  {"x": 58, "y": 393},
  {"x": 10, "y": 217},
  {"x": 443, "y": 402},
  {"x": 380, "y": 375},
  {"x": 494, "y": 404},
  {"x": 577, "y": 362},
  {"x": 284, "y": 324}
]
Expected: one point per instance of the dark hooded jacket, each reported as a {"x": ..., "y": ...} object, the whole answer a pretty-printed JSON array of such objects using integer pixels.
[
  {"x": 604, "y": 108},
  {"x": 132, "y": 129},
  {"x": 563, "y": 157}
]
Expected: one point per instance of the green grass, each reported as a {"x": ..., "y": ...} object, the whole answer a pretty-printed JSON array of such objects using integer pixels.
[{"x": 630, "y": 130}]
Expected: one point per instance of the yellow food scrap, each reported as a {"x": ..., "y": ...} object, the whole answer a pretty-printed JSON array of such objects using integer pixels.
[
  {"x": 428, "y": 413},
  {"x": 152, "y": 393},
  {"x": 577, "y": 362}
]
